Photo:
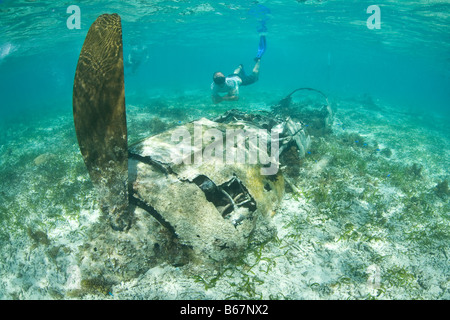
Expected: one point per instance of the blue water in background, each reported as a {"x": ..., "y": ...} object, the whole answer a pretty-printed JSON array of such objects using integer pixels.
[{"x": 176, "y": 48}]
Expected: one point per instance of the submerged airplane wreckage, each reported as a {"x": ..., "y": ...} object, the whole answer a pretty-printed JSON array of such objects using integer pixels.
[{"x": 211, "y": 185}]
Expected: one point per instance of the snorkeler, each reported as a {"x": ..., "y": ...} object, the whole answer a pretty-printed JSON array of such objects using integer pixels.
[{"x": 230, "y": 85}]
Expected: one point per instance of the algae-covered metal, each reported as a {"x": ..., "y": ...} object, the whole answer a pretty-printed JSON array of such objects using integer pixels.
[{"x": 215, "y": 185}]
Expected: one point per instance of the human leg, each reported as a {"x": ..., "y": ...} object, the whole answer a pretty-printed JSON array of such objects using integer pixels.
[{"x": 239, "y": 69}]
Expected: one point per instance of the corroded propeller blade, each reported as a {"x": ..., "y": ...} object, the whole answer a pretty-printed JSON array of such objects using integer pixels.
[{"x": 100, "y": 117}]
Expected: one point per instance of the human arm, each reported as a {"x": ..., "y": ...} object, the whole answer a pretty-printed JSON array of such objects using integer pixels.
[
  {"x": 217, "y": 99},
  {"x": 232, "y": 89}
]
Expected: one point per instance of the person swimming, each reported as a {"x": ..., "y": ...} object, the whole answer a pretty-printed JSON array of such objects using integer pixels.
[{"x": 230, "y": 85}]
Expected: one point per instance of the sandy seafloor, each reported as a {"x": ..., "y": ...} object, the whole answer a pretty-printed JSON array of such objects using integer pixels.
[{"x": 365, "y": 220}]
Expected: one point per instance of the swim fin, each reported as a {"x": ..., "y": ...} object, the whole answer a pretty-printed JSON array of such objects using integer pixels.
[{"x": 261, "y": 47}]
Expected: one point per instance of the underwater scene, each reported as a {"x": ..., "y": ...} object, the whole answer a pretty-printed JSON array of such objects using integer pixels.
[{"x": 193, "y": 150}]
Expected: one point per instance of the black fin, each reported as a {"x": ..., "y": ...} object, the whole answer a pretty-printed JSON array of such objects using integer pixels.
[{"x": 100, "y": 117}]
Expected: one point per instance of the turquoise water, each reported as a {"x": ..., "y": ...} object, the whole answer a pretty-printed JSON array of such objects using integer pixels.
[
  {"x": 325, "y": 45},
  {"x": 389, "y": 84}
]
